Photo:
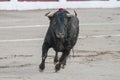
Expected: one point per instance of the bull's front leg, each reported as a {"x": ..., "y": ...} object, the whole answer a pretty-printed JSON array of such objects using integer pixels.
[
  {"x": 45, "y": 48},
  {"x": 62, "y": 60},
  {"x": 56, "y": 58}
]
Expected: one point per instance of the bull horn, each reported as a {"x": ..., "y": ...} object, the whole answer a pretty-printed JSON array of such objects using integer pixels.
[
  {"x": 49, "y": 14},
  {"x": 72, "y": 15}
]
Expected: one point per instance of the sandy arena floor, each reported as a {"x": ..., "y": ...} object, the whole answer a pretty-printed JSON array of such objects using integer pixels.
[{"x": 97, "y": 52}]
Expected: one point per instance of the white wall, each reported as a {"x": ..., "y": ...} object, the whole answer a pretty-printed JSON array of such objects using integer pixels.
[{"x": 15, "y": 5}]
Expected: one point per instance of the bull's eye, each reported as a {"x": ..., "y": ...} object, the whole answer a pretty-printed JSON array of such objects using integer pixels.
[
  {"x": 65, "y": 21},
  {"x": 54, "y": 22}
]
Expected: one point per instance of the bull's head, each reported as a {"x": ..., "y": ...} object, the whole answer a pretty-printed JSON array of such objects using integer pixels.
[{"x": 58, "y": 22}]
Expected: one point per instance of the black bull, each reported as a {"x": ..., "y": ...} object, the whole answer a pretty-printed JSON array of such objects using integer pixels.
[{"x": 62, "y": 35}]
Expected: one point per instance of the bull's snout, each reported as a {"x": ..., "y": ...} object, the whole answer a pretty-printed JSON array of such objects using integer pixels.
[{"x": 60, "y": 35}]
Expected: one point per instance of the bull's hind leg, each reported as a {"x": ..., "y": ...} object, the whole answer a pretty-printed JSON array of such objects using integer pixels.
[
  {"x": 64, "y": 63},
  {"x": 62, "y": 60},
  {"x": 45, "y": 48},
  {"x": 56, "y": 58}
]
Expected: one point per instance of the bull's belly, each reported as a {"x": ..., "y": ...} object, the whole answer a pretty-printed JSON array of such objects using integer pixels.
[{"x": 61, "y": 46}]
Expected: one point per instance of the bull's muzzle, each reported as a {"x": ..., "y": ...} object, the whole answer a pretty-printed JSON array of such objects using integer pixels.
[{"x": 60, "y": 35}]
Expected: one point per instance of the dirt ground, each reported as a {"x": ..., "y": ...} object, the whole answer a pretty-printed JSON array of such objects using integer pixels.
[{"x": 96, "y": 54}]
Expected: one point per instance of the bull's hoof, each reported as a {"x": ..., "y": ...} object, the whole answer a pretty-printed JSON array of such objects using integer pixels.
[
  {"x": 41, "y": 70},
  {"x": 57, "y": 67},
  {"x": 55, "y": 61},
  {"x": 41, "y": 67},
  {"x": 63, "y": 66}
]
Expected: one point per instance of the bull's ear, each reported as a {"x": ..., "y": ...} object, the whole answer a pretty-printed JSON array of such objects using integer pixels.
[{"x": 75, "y": 13}]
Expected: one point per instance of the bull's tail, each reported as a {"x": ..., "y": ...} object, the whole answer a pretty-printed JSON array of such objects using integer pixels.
[
  {"x": 73, "y": 52},
  {"x": 75, "y": 13}
]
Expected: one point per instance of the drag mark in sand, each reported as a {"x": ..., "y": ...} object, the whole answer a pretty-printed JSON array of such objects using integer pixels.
[
  {"x": 43, "y": 26},
  {"x": 41, "y": 39}
]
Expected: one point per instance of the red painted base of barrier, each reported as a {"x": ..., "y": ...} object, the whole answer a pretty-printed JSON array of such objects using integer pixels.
[
  {"x": 87, "y": 0},
  {"x": 4, "y": 0}
]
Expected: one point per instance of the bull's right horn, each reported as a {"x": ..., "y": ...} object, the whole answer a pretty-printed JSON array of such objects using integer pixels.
[{"x": 49, "y": 14}]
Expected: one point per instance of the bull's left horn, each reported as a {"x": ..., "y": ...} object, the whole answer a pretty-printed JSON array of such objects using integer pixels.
[{"x": 70, "y": 15}]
